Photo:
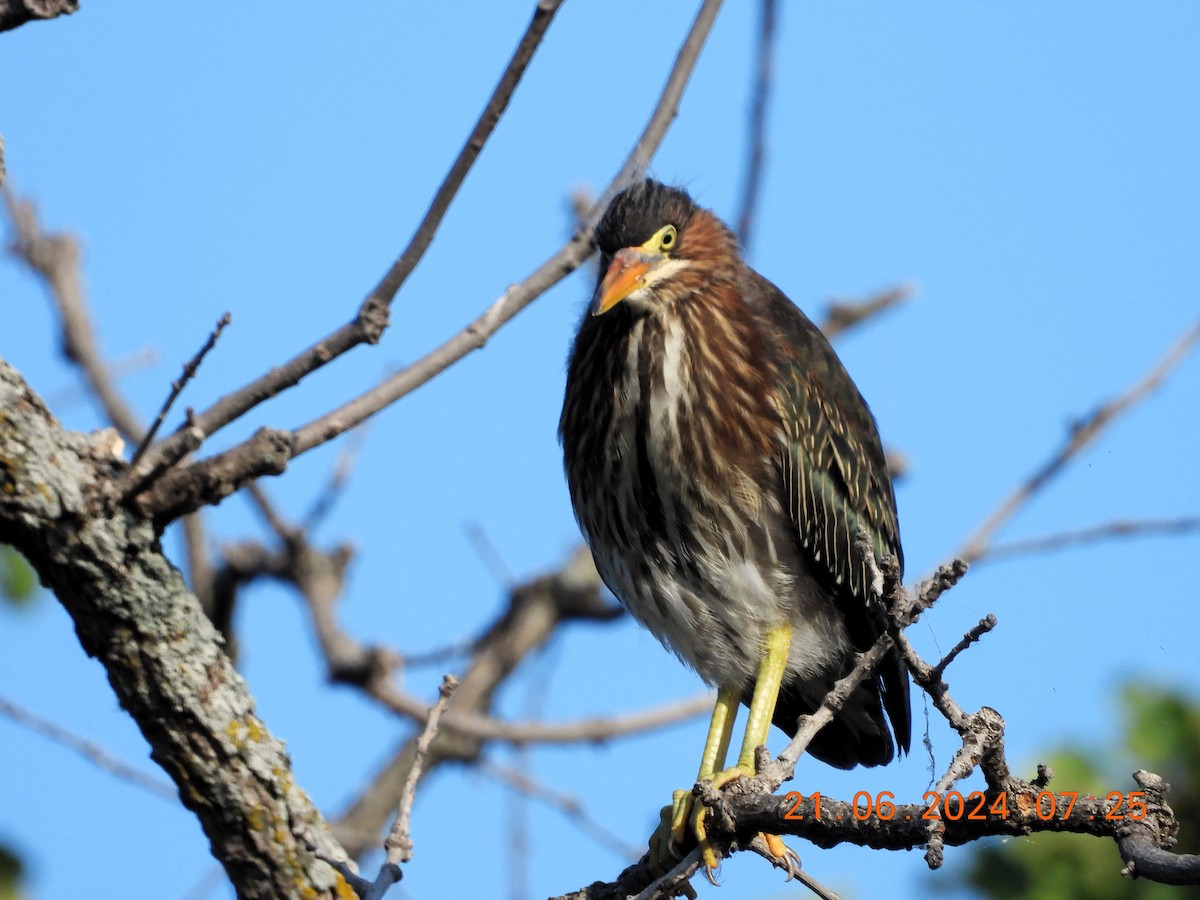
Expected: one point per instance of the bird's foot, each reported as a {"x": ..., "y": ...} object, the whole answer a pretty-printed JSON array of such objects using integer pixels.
[
  {"x": 780, "y": 853},
  {"x": 681, "y": 825},
  {"x": 671, "y": 834}
]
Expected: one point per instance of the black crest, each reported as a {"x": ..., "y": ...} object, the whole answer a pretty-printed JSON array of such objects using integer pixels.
[{"x": 639, "y": 211}]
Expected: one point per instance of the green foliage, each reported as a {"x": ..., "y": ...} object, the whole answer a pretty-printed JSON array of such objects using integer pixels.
[
  {"x": 10, "y": 875},
  {"x": 18, "y": 584},
  {"x": 1161, "y": 734}
]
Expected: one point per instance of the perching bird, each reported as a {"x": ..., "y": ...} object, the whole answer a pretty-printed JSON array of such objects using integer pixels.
[{"x": 720, "y": 461}]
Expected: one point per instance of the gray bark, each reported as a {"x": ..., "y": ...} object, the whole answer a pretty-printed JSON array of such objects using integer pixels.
[{"x": 164, "y": 659}]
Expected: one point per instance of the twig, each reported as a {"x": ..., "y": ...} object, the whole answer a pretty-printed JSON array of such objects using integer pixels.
[
  {"x": 399, "y": 841},
  {"x": 665, "y": 109},
  {"x": 270, "y": 515},
  {"x": 390, "y": 284},
  {"x": 55, "y": 257},
  {"x": 816, "y": 887},
  {"x": 489, "y": 555},
  {"x": 177, "y": 386},
  {"x": 986, "y": 624},
  {"x": 343, "y": 467},
  {"x": 793, "y": 869},
  {"x": 843, "y": 315},
  {"x": 89, "y": 750},
  {"x": 371, "y": 321},
  {"x": 71, "y": 394},
  {"x": 783, "y": 766},
  {"x": 961, "y": 766},
  {"x": 1106, "y": 531},
  {"x": 335, "y": 857},
  {"x": 757, "y": 130},
  {"x": 580, "y": 731},
  {"x": 439, "y": 655},
  {"x": 1082, "y": 434},
  {"x": 573, "y": 809},
  {"x": 902, "y": 611},
  {"x": 671, "y": 880}
]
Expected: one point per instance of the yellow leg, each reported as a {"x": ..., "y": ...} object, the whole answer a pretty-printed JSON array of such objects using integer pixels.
[
  {"x": 716, "y": 746},
  {"x": 684, "y": 811},
  {"x": 758, "y": 725},
  {"x": 766, "y": 695}
]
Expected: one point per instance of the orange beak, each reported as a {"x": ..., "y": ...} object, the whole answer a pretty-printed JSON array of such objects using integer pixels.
[{"x": 626, "y": 273}]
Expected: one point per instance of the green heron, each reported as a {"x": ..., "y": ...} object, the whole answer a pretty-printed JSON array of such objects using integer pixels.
[{"x": 721, "y": 462}]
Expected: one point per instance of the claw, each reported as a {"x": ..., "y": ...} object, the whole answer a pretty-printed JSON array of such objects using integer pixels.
[{"x": 782, "y": 855}]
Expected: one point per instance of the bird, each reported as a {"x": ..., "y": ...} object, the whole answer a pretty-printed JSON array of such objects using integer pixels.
[{"x": 721, "y": 463}]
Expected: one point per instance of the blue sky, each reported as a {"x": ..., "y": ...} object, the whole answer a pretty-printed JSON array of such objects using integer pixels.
[{"x": 1030, "y": 168}]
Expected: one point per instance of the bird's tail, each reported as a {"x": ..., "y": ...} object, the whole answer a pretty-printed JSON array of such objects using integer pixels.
[{"x": 858, "y": 734}]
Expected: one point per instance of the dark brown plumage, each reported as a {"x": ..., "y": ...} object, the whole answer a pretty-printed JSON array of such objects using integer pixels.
[{"x": 720, "y": 460}]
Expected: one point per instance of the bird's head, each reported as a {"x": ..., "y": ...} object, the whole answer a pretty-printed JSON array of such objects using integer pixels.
[{"x": 657, "y": 245}]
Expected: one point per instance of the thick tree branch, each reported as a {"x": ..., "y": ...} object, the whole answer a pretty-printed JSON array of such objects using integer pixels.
[
  {"x": 15, "y": 13},
  {"x": 163, "y": 658}
]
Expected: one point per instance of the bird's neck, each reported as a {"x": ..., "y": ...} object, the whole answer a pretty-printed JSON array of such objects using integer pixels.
[{"x": 694, "y": 383}]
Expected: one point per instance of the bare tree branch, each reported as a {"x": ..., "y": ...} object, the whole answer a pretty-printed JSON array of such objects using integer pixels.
[
  {"x": 88, "y": 749},
  {"x": 843, "y": 315},
  {"x": 211, "y": 480},
  {"x": 399, "y": 840},
  {"x": 592, "y": 730},
  {"x": 163, "y": 658},
  {"x": 573, "y": 809},
  {"x": 372, "y": 319},
  {"x": 55, "y": 257},
  {"x": 1124, "y": 528},
  {"x": 177, "y": 386},
  {"x": 391, "y": 283},
  {"x": 757, "y": 130},
  {"x": 746, "y": 807},
  {"x": 1082, "y": 434},
  {"x": 581, "y": 245},
  {"x": 535, "y": 611},
  {"x": 15, "y": 13}
]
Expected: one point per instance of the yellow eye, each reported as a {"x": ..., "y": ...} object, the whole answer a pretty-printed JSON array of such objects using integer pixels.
[{"x": 667, "y": 238}]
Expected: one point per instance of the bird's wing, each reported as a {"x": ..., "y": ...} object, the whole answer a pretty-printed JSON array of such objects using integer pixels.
[
  {"x": 834, "y": 470},
  {"x": 835, "y": 480}
]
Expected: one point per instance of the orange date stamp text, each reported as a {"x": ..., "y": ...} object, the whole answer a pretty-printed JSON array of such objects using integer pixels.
[{"x": 975, "y": 806}]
